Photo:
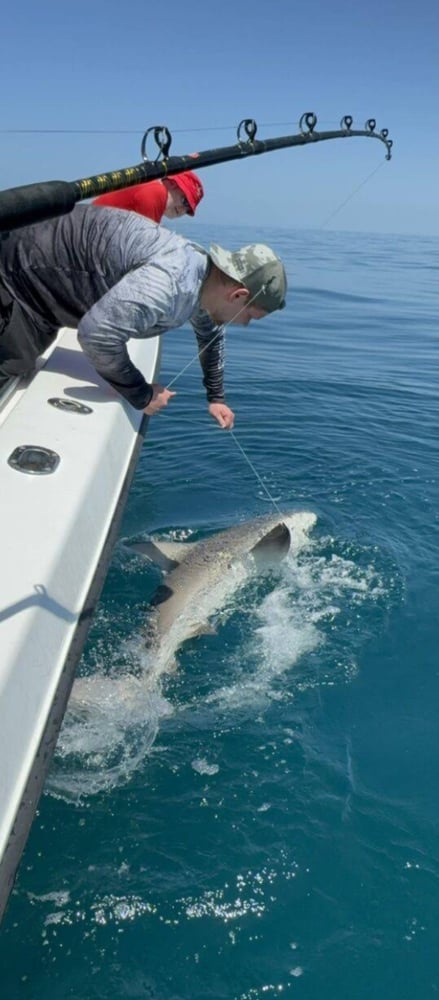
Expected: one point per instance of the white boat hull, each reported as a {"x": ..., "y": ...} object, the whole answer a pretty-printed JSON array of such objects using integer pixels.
[{"x": 56, "y": 536}]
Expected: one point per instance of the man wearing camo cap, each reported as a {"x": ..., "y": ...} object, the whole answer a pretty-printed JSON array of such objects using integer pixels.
[{"x": 117, "y": 275}]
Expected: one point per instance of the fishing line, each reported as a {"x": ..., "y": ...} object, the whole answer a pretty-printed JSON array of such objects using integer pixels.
[
  {"x": 215, "y": 336},
  {"x": 238, "y": 445},
  {"x": 328, "y": 219},
  {"x": 271, "y": 498},
  {"x": 133, "y": 131},
  {"x": 331, "y": 216},
  {"x": 206, "y": 346},
  {"x": 350, "y": 196}
]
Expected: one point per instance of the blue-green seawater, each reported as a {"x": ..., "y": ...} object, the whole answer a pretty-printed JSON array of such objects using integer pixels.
[{"x": 264, "y": 821}]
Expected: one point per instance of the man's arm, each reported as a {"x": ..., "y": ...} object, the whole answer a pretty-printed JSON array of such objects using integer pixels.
[
  {"x": 109, "y": 356},
  {"x": 138, "y": 304},
  {"x": 211, "y": 345}
]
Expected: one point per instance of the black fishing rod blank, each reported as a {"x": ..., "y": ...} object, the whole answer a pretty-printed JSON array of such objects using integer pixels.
[{"x": 30, "y": 203}]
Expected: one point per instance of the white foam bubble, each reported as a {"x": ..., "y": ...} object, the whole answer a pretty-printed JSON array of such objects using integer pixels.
[
  {"x": 298, "y": 616},
  {"x": 202, "y": 766},
  {"x": 109, "y": 728}
]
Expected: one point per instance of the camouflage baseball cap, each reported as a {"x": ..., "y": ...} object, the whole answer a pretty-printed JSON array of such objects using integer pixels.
[{"x": 258, "y": 269}]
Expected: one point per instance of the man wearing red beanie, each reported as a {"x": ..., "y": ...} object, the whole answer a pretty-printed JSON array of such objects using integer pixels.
[{"x": 170, "y": 196}]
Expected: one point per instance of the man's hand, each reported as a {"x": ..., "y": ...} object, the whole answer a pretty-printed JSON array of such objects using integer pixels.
[
  {"x": 224, "y": 416},
  {"x": 160, "y": 398}
]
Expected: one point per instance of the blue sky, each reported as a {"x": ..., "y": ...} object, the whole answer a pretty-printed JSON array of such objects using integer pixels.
[{"x": 199, "y": 68}]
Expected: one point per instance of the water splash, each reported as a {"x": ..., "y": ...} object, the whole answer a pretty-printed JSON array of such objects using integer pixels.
[{"x": 295, "y": 632}]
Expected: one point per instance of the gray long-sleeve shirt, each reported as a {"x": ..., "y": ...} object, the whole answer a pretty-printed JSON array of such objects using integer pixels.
[{"x": 115, "y": 275}]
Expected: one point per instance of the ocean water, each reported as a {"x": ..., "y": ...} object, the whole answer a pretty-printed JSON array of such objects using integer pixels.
[{"x": 264, "y": 820}]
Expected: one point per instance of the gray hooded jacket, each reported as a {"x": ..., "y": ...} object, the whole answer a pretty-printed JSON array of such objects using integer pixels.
[{"x": 114, "y": 275}]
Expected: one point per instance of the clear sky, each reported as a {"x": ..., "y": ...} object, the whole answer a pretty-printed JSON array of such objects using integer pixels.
[{"x": 201, "y": 67}]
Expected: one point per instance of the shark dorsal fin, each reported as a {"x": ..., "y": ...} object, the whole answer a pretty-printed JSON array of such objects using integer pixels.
[
  {"x": 274, "y": 546},
  {"x": 166, "y": 555}
]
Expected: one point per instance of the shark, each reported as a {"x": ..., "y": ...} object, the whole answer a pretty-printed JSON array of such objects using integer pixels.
[{"x": 201, "y": 577}]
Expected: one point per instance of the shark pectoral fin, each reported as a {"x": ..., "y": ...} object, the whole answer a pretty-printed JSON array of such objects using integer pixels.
[
  {"x": 166, "y": 555},
  {"x": 149, "y": 550},
  {"x": 171, "y": 665},
  {"x": 176, "y": 552},
  {"x": 201, "y": 628},
  {"x": 274, "y": 546}
]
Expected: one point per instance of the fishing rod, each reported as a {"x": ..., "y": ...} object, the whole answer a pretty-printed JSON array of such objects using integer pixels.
[{"x": 21, "y": 206}]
